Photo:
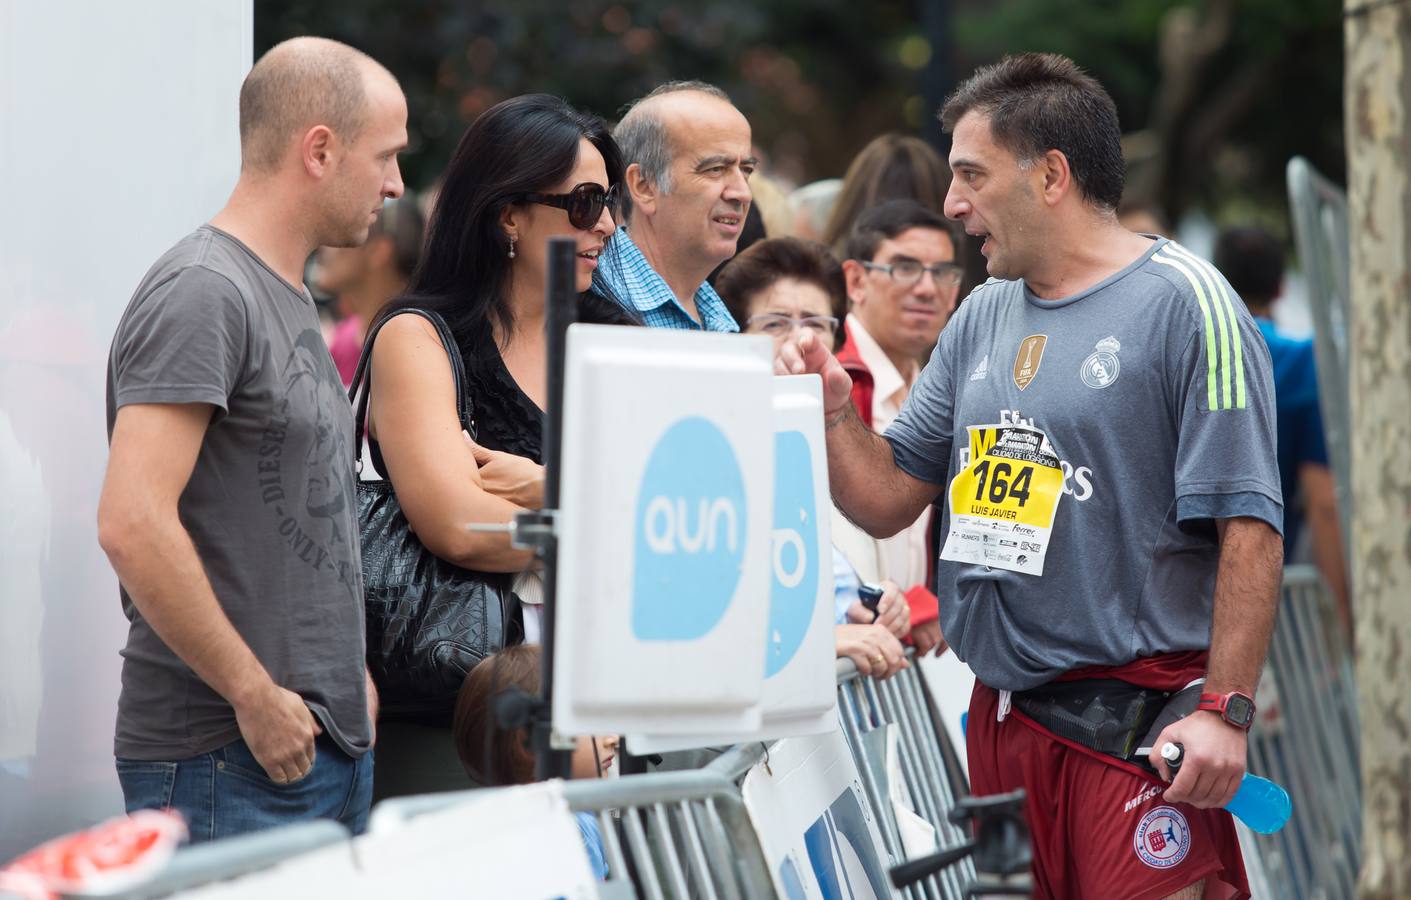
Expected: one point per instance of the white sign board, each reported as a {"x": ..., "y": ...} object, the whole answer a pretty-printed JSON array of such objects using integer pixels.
[
  {"x": 664, "y": 531},
  {"x": 800, "y": 693},
  {"x": 819, "y": 837},
  {"x": 504, "y": 843},
  {"x": 326, "y": 872}
]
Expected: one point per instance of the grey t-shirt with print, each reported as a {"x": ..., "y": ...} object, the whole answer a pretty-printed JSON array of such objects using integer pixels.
[
  {"x": 270, "y": 504},
  {"x": 1154, "y": 388}
]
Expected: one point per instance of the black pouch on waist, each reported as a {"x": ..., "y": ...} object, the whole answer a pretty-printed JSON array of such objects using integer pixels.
[
  {"x": 1177, "y": 706},
  {"x": 1102, "y": 714}
]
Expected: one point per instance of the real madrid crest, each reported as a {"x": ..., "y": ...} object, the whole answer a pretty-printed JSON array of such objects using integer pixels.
[
  {"x": 1027, "y": 360},
  {"x": 1101, "y": 367}
]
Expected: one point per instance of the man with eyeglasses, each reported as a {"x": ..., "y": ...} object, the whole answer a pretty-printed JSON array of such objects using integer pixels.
[
  {"x": 687, "y": 193},
  {"x": 903, "y": 281}
]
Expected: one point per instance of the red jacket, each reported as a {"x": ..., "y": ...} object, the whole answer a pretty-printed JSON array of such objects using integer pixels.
[
  {"x": 923, "y": 603},
  {"x": 862, "y": 385}
]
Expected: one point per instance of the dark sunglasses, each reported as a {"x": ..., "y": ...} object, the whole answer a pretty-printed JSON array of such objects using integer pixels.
[{"x": 584, "y": 204}]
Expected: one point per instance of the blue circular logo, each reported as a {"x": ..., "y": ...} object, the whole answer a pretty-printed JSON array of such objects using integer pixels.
[
  {"x": 690, "y": 534},
  {"x": 794, "y": 551}
]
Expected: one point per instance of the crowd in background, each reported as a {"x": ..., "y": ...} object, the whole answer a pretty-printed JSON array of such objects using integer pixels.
[
  {"x": 439, "y": 302},
  {"x": 818, "y": 219}
]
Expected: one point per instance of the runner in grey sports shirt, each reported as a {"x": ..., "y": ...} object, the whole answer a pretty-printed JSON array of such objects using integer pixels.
[
  {"x": 1121, "y": 385},
  {"x": 1099, "y": 419}
]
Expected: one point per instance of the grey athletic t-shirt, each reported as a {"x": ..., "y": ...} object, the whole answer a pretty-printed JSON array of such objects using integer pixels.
[
  {"x": 270, "y": 505},
  {"x": 1154, "y": 389}
]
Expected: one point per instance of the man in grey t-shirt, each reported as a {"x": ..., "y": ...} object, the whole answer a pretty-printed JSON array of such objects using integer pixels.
[
  {"x": 1099, "y": 418},
  {"x": 228, "y": 508}
]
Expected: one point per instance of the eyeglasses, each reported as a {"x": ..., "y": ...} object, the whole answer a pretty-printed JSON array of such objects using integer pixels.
[
  {"x": 780, "y": 325},
  {"x": 584, "y": 204},
  {"x": 907, "y": 272}
]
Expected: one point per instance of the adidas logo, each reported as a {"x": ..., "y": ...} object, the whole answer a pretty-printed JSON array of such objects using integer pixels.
[{"x": 982, "y": 371}]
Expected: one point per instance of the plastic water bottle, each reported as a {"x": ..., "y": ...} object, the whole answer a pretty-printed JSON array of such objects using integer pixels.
[{"x": 1259, "y": 803}]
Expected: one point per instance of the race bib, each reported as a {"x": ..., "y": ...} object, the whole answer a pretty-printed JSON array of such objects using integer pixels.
[{"x": 1002, "y": 504}]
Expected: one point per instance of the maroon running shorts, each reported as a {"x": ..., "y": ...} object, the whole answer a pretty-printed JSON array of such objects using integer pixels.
[{"x": 1099, "y": 826}]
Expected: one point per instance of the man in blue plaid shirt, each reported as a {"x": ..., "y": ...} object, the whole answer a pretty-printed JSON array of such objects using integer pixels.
[{"x": 685, "y": 196}]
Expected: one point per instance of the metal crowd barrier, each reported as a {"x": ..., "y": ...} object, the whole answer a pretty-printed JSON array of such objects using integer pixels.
[
  {"x": 1318, "y": 210},
  {"x": 931, "y": 775},
  {"x": 665, "y": 835},
  {"x": 1307, "y": 739},
  {"x": 223, "y": 860},
  {"x": 687, "y": 834}
]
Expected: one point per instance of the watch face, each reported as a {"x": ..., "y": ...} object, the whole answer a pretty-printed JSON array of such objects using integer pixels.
[{"x": 1239, "y": 710}]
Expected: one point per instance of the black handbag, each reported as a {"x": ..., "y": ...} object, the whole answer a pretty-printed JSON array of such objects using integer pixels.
[{"x": 429, "y": 622}]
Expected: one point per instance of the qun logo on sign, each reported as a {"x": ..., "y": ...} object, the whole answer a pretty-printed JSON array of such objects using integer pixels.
[
  {"x": 794, "y": 554},
  {"x": 690, "y": 541}
]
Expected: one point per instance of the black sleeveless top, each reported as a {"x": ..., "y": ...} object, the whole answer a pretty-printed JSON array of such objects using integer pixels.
[{"x": 504, "y": 417}]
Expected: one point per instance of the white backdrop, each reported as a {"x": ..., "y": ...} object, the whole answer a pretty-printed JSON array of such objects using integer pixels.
[{"x": 118, "y": 134}]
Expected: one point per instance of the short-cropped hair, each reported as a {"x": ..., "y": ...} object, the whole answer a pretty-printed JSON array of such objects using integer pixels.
[
  {"x": 887, "y": 220},
  {"x": 769, "y": 261},
  {"x": 298, "y": 84},
  {"x": 1037, "y": 102}
]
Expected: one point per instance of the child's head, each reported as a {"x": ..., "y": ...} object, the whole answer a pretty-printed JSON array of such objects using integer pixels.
[{"x": 508, "y": 755}]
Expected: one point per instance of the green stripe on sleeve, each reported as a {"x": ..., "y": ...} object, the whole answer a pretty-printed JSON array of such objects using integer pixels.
[
  {"x": 1221, "y": 290},
  {"x": 1210, "y": 379},
  {"x": 1224, "y": 320}
]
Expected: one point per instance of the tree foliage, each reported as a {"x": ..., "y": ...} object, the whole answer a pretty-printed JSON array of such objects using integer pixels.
[
  {"x": 1212, "y": 123},
  {"x": 1215, "y": 95},
  {"x": 817, "y": 79}
]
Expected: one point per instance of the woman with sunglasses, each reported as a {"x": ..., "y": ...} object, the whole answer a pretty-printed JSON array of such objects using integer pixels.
[{"x": 529, "y": 169}]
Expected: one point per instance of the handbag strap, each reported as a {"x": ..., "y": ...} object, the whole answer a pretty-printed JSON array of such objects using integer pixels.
[{"x": 361, "y": 388}]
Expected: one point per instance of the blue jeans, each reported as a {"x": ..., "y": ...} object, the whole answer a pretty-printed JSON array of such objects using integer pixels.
[{"x": 226, "y": 792}]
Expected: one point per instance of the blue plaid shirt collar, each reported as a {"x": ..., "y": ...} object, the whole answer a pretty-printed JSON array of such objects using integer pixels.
[{"x": 624, "y": 275}]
